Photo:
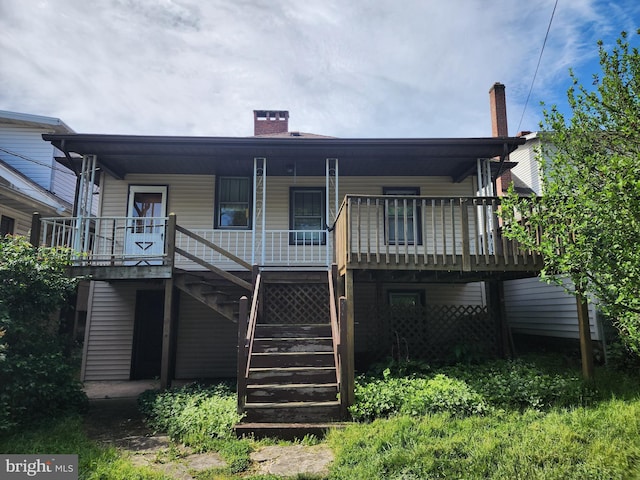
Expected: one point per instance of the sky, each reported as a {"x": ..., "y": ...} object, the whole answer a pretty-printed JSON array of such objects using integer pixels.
[{"x": 344, "y": 68}]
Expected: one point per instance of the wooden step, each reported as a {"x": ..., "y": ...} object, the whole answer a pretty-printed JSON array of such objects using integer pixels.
[
  {"x": 292, "y": 412},
  {"x": 301, "y": 392},
  {"x": 280, "y": 375},
  {"x": 292, "y": 330},
  {"x": 285, "y": 431},
  {"x": 292, "y": 359},
  {"x": 272, "y": 345}
]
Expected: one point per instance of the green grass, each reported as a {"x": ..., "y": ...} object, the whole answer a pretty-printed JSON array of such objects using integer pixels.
[
  {"x": 600, "y": 442},
  {"x": 66, "y": 436},
  {"x": 570, "y": 439}
]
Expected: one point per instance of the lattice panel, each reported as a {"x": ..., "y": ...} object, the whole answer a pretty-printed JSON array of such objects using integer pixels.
[
  {"x": 434, "y": 333},
  {"x": 296, "y": 303}
]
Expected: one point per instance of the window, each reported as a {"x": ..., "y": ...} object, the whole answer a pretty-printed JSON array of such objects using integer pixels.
[
  {"x": 307, "y": 216},
  {"x": 234, "y": 201},
  {"x": 406, "y": 298},
  {"x": 399, "y": 210},
  {"x": 7, "y": 224}
]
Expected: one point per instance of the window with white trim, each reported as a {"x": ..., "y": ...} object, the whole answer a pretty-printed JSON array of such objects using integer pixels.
[{"x": 233, "y": 206}]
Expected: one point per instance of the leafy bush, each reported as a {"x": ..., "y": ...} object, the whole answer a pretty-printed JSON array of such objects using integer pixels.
[
  {"x": 523, "y": 384},
  {"x": 375, "y": 398},
  {"x": 37, "y": 378},
  {"x": 465, "y": 390},
  {"x": 194, "y": 414}
]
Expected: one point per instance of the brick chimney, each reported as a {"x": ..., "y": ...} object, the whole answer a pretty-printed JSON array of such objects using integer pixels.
[
  {"x": 267, "y": 122},
  {"x": 499, "y": 128},
  {"x": 498, "y": 103}
]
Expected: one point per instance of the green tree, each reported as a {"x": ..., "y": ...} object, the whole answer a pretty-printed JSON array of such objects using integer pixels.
[
  {"x": 589, "y": 213},
  {"x": 37, "y": 378}
]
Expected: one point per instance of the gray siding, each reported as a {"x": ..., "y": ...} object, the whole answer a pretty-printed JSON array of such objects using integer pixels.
[
  {"x": 27, "y": 142},
  {"x": 109, "y": 333},
  {"x": 206, "y": 345},
  {"x": 534, "y": 307}
]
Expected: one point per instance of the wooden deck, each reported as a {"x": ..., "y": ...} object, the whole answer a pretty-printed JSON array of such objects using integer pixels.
[{"x": 427, "y": 233}]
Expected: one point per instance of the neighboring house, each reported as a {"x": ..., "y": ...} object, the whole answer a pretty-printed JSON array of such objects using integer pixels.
[
  {"x": 538, "y": 310},
  {"x": 30, "y": 178},
  {"x": 349, "y": 251}
]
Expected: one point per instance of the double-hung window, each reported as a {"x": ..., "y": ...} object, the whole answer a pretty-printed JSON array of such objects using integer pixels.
[
  {"x": 307, "y": 216},
  {"x": 233, "y": 203},
  {"x": 402, "y": 216}
]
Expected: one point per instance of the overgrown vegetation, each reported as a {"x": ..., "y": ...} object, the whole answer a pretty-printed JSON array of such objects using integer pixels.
[
  {"x": 37, "y": 375},
  {"x": 201, "y": 417},
  {"x": 464, "y": 390}
]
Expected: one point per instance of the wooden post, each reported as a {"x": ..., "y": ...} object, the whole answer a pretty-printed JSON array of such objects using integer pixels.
[
  {"x": 167, "y": 335},
  {"x": 243, "y": 324},
  {"x": 170, "y": 239},
  {"x": 586, "y": 346},
  {"x": 34, "y": 237},
  {"x": 496, "y": 303},
  {"x": 169, "y": 310},
  {"x": 344, "y": 380},
  {"x": 349, "y": 340}
]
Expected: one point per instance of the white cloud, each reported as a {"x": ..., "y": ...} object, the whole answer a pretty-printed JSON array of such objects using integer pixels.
[{"x": 350, "y": 69}]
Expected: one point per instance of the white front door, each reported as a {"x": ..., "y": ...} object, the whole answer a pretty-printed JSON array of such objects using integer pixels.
[{"x": 145, "y": 227}]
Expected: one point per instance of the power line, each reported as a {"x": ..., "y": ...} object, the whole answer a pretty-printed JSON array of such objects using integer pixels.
[
  {"x": 37, "y": 162},
  {"x": 537, "y": 66}
]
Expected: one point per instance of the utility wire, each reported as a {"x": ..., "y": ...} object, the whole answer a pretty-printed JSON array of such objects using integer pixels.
[
  {"x": 537, "y": 66},
  {"x": 55, "y": 167}
]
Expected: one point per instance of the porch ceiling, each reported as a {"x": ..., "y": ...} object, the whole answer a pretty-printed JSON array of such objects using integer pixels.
[{"x": 124, "y": 154}]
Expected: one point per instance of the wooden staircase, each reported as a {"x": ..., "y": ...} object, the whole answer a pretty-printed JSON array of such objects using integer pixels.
[{"x": 292, "y": 380}]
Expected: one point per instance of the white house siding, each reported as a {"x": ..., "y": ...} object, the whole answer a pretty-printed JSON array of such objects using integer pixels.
[
  {"x": 528, "y": 168},
  {"x": 534, "y": 307},
  {"x": 22, "y": 221},
  {"x": 109, "y": 332},
  {"x": 63, "y": 181},
  {"x": 206, "y": 342}
]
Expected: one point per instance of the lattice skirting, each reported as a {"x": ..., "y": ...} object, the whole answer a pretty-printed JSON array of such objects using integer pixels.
[
  {"x": 296, "y": 303},
  {"x": 436, "y": 333}
]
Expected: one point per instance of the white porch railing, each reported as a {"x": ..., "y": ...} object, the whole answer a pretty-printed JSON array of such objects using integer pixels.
[
  {"x": 136, "y": 241},
  {"x": 108, "y": 240}
]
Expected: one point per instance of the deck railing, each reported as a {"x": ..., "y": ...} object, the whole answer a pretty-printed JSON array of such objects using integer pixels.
[
  {"x": 108, "y": 240},
  {"x": 453, "y": 233}
]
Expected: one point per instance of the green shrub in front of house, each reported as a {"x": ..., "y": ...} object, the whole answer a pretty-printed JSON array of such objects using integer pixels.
[
  {"x": 37, "y": 374},
  {"x": 465, "y": 390}
]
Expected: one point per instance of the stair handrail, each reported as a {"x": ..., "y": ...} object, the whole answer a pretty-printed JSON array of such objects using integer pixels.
[
  {"x": 253, "y": 320},
  {"x": 335, "y": 328}
]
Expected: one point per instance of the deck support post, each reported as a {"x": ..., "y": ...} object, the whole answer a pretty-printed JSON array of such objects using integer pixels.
[
  {"x": 34, "y": 236},
  {"x": 496, "y": 303},
  {"x": 168, "y": 335},
  {"x": 584, "y": 330},
  {"x": 349, "y": 341}
]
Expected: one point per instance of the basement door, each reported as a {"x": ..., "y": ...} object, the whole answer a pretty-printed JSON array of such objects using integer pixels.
[
  {"x": 146, "y": 356},
  {"x": 146, "y": 224}
]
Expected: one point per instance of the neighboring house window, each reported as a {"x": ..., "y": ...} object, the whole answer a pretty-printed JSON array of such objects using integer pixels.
[
  {"x": 7, "y": 225},
  {"x": 234, "y": 201},
  {"x": 397, "y": 211},
  {"x": 307, "y": 216},
  {"x": 406, "y": 298}
]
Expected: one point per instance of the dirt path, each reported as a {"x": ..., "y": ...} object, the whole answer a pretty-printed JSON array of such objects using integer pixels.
[{"x": 117, "y": 422}]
